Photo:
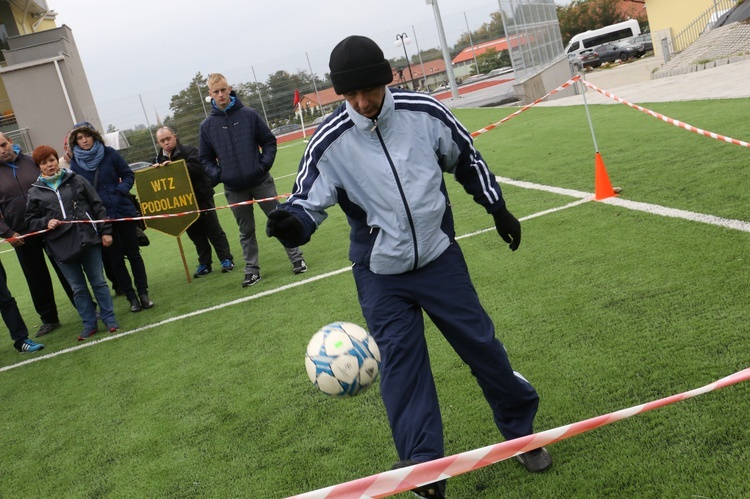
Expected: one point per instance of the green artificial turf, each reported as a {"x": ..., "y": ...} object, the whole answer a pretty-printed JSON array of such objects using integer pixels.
[{"x": 602, "y": 308}]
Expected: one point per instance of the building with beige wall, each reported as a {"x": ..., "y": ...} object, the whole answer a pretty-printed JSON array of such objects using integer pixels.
[
  {"x": 667, "y": 18},
  {"x": 43, "y": 85}
]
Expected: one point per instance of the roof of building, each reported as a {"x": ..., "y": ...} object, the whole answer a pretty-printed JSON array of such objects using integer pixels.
[
  {"x": 480, "y": 48},
  {"x": 329, "y": 96}
]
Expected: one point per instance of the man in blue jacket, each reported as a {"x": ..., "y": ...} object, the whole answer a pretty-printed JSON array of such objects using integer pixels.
[
  {"x": 237, "y": 148},
  {"x": 205, "y": 231},
  {"x": 382, "y": 157}
]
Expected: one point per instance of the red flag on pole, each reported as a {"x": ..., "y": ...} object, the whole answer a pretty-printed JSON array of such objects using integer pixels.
[{"x": 296, "y": 98}]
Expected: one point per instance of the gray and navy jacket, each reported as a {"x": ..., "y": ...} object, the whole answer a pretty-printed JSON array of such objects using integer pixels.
[
  {"x": 236, "y": 146},
  {"x": 387, "y": 175}
]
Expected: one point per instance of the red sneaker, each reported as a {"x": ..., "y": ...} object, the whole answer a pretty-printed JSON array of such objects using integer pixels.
[{"x": 87, "y": 333}]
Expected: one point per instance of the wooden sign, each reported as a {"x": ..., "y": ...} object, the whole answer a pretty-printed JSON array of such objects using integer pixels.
[{"x": 167, "y": 190}]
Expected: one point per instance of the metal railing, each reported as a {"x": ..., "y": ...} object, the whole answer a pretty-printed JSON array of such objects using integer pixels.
[
  {"x": 21, "y": 137},
  {"x": 702, "y": 24}
]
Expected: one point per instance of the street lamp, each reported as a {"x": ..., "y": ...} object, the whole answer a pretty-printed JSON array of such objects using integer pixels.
[{"x": 402, "y": 40}]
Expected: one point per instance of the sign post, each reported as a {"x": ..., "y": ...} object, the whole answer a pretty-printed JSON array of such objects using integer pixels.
[{"x": 168, "y": 192}]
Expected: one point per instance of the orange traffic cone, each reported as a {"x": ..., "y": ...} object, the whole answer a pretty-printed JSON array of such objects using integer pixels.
[{"x": 602, "y": 185}]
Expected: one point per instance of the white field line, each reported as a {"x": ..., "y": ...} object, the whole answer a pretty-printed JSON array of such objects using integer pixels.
[
  {"x": 104, "y": 338},
  {"x": 584, "y": 197},
  {"x": 654, "y": 209},
  {"x": 177, "y": 318}
]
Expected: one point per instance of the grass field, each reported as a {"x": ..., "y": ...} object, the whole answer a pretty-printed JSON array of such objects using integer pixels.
[{"x": 603, "y": 307}]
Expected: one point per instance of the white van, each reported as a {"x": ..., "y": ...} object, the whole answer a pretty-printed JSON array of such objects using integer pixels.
[{"x": 612, "y": 33}]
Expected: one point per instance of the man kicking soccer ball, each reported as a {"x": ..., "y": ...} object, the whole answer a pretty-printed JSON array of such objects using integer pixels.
[{"x": 381, "y": 156}]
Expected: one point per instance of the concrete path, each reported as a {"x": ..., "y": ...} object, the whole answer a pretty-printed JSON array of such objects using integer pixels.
[{"x": 632, "y": 82}]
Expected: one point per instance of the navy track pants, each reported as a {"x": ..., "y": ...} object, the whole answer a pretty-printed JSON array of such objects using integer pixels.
[{"x": 392, "y": 306}]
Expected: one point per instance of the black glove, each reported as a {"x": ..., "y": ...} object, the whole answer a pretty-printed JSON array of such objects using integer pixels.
[
  {"x": 284, "y": 226},
  {"x": 508, "y": 227}
]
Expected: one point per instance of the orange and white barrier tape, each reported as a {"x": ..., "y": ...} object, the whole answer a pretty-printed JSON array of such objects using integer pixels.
[
  {"x": 667, "y": 119},
  {"x": 401, "y": 480},
  {"x": 146, "y": 217},
  {"x": 528, "y": 106}
]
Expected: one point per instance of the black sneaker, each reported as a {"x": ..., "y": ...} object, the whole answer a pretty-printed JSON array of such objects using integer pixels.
[
  {"x": 135, "y": 305},
  {"x": 250, "y": 280},
  {"x": 47, "y": 328},
  {"x": 202, "y": 270},
  {"x": 436, "y": 490},
  {"x": 299, "y": 267},
  {"x": 536, "y": 460},
  {"x": 146, "y": 301}
]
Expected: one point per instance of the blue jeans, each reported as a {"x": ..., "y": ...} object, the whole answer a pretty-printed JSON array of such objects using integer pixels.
[{"x": 89, "y": 264}]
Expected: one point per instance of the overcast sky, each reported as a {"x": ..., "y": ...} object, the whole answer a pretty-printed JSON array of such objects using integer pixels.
[{"x": 135, "y": 47}]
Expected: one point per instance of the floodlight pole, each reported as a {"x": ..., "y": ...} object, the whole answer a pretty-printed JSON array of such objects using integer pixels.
[
  {"x": 315, "y": 86},
  {"x": 421, "y": 62},
  {"x": 471, "y": 42},
  {"x": 444, "y": 45},
  {"x": 402, "y": 40},
  {"x": 150, "y": 133},
  {"x": 260, "y": 95}
]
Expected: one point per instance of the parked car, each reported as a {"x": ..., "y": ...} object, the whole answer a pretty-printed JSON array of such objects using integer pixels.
[
  {"x": 475, "y": 78},
  {"x": 585, "y": 59},
  {"x": 281, "y": 130},
  {"x": 614, "y": 51},
  {"x": 320, "y": 119},
  {"x": 500, "y": 71},
  {"x": 139, "y": 165},
  {"x": 644, "y": 39}
]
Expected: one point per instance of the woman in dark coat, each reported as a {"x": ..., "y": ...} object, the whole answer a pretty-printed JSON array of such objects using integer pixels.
[
  {"x": 112, "y": 178},
  {"x": 56, "y": 197}
]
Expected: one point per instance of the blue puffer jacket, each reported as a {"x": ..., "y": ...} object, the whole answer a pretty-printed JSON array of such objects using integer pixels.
[
  {"x": 113, "y": 184},
  {"x": 236, "y": 146}
]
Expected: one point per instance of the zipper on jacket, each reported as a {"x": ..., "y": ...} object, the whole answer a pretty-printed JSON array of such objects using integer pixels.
[
  {"x": 59, "y": 198},
  {"x": 91, "y": 220},
  {"x": 401, "y": 193}
]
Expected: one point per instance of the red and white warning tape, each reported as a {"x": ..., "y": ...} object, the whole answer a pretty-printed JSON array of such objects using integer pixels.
[
  {"x": 612, "y": 96},
  {"x": 401, "y": 480},
  {"x": 146, "y": 217},
  {"x": 666, "y": 118},
  {"x": 486, "y": 129},
  {"x": 528, "y": 106}
]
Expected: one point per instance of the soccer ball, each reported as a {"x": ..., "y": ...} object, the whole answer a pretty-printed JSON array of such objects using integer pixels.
[{"x": 342, "y": 359}]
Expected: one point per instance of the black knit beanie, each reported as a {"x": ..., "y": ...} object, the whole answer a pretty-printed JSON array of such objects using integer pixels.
[{"x": 356, "y": 63}]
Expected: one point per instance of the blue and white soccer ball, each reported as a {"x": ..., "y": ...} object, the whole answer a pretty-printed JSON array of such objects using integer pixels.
[{"x": 342, "y": 359}]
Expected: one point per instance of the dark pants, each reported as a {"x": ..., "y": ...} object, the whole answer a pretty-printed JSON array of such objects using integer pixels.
[
  {"x": 392, "y": 306},
  {"x": 125, "y": 244},
  {"x": 246, "y": 221},
  {"x": 11, "y": 315},
  {"x": 31, "y": 257},
  {"x": 207, "y": 231}
]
